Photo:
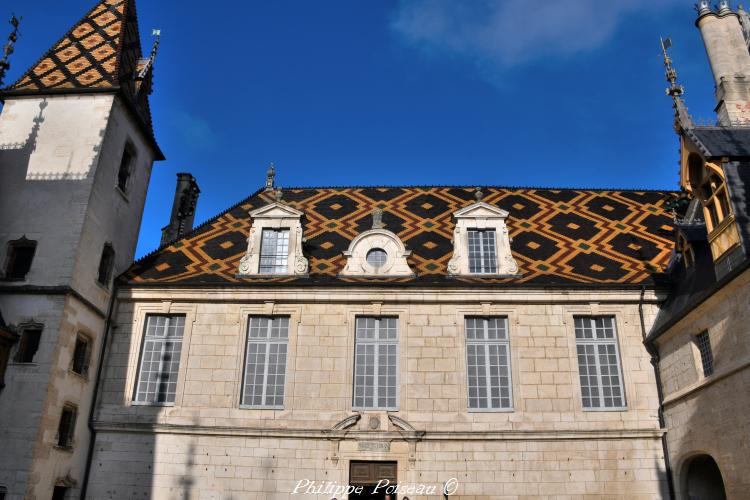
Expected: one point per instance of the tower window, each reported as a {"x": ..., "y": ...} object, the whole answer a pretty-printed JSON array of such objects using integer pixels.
[
  {"x": 60, "y": 493},
  {"x": 482, "y": 251},
  {"x": 29, "y": 345},
  {"x": 81, "y": 356},
  {"x": 20, "y": 255},
  {"x": 703, "y": 342},
  {"x": 106, "y": 264},
  {"x": 123, "y": 173},
  {"x": 274, "y": 251},
  {"x": 66, "y": 427}
]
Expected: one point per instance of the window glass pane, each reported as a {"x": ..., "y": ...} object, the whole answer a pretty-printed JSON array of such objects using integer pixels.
[
  {"x": 598, "y": 362},
  {"x": 265, "y": 361},
  {"x": 375, "y": 363},
  {"x": 274, "y": 251},
  {"x": 488, "y": 363},
  {"x": 160, "y": 359},
  {"x": 482, "y": 251},
  {"x": 703, "y": 342}
]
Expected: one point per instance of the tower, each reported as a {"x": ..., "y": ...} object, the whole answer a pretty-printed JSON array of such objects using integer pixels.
[
  {"x": 726, "y": 35},
  {"x": 76, "y": 152}
]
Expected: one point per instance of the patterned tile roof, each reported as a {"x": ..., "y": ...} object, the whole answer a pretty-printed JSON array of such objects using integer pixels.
[
  {"x": 100, "y": 52},
  {"x": 560, "y": 236}
]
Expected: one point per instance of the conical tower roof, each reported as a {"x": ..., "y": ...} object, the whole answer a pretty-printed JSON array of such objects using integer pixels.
[{"x": 101, "y": 53}]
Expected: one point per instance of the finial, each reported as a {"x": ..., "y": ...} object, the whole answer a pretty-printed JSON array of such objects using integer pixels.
[
  {"x": 703, "y": 7},
  {"x": 675, "y": 90},
  {"x": 147, "y": 65},
  {"x": 478, "y": 194},
  {"x": 9, "y": 47},
  {"x": 724, "y": 7},
  {"x": 278, "y": 194},
  {"x": 270, "y": 175},
  {"x": 377, "y": 218}
]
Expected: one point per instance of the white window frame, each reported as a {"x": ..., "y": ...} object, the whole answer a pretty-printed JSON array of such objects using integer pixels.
[
  {"x": 139, "y": 373},
  {"x": 596, "y": 342},
  {"x": 376, "y": 362},
  {"x": 268, "y": 340},
  {"x": 276, "y": 216},
  {"x": 482, "y": 216},
  {"x": 484, "y": 237},
  {"x": 280, "y": 251},
  {"x": 486, "y": 342}
]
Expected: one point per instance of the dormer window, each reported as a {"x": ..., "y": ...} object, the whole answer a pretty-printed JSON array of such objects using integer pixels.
[
  {"x": 274, "y": 251},
  {"x": 707, "y": 183},
  {"x": 481, "y": 243},
  {"x": 274, "y": 246},
  {"x": 377, "y": 252},
  {"x": 482, "y": 251}
]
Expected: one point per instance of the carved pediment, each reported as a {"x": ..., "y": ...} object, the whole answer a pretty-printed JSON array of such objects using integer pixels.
[
  {"x": 276, "y": 211},
  {"x": 481, "y": 210}
]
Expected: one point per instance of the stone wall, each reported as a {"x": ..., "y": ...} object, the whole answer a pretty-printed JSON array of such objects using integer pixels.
[
  {"x": 60, "y": 157},
  {"x": 699, "y": 410},
  {"x": 546, "y": 442}
]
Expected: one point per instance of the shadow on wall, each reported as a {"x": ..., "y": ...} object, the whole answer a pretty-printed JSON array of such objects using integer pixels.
[{"x": 711, "y": 426}]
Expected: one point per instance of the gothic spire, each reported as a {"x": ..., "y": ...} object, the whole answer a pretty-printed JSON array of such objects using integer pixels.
[{"x": 675, "y": 91}]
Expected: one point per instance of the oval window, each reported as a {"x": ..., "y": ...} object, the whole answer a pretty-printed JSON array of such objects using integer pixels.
[{"x": 377, "y": 257}]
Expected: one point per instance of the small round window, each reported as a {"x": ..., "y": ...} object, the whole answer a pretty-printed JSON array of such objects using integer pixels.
[{"x": 377, "y": 257}]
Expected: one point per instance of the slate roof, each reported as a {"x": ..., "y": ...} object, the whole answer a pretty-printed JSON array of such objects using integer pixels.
[
  {"x": 560, "y": 236},
  {"x": 732, "y": 142},
  {"x": 100, "y": 53}
]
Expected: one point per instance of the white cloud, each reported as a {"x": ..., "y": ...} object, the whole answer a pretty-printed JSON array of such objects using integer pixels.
[{"x": 506, "y": 33}]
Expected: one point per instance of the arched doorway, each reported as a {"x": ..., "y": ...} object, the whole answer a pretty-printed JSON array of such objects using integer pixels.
[{"x": 702, "y": 479}]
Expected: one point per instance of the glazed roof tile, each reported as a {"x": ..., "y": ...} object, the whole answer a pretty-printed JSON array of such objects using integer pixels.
[{"x": 560, "y": 236}]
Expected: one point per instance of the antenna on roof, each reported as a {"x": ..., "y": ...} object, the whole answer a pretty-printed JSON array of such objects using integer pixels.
[
  {"x": 9, "y": 47},
  {"x": 675, "y": 90}
]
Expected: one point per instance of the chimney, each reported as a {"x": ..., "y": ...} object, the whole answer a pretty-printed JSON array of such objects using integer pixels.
[
  {"x": 183, "y": 209},
  {"x": 726, "y": 45}
]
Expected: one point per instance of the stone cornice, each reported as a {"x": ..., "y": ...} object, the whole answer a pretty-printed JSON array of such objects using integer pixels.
[{"x": 550, "y": 435}]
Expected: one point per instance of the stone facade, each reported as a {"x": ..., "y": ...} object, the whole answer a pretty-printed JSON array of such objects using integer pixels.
[
  {"x": 708, "y": 414},
  {"x": 207, "y": 446},
  {"x": 60, "y": 157}
]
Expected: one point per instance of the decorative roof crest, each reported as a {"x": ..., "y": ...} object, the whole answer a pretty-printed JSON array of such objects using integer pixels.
[{"x": 9, "y": 48}]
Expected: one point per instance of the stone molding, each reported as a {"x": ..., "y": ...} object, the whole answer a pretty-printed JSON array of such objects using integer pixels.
[
  {"x": 275, "y": 216},
  {"x": 559, "y": 435},
  {"x": 356, "y": 255},
  {"x": 481, "y": 215}
]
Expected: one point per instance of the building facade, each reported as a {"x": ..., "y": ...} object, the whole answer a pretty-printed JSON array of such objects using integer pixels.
[
  {"x": 361, "y": 334},
  {"x": 359, "y": 342},
  {"x": 700, "y": 336},
  {"x": 76, "y": 150}
]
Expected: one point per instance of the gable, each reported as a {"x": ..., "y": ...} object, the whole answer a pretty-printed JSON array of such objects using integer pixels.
[
  {"x": 481, "y": 210},
  {"x": 560, "y": 236}
]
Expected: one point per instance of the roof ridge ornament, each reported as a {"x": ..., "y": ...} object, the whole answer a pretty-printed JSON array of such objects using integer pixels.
[
  {"x": 270, "y": 176},
  {"x": 9, "y": 47},
  {"x": 479, "y": 194},
  {"x": 377, "y": 219},
  {"x": 724, "y": 7},
  {"x": 675, "y": 90},
  {"x": 278, "y": 194}
]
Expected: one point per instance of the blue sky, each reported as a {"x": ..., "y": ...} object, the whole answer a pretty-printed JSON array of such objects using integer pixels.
[{"x": 563, "y": 93}]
